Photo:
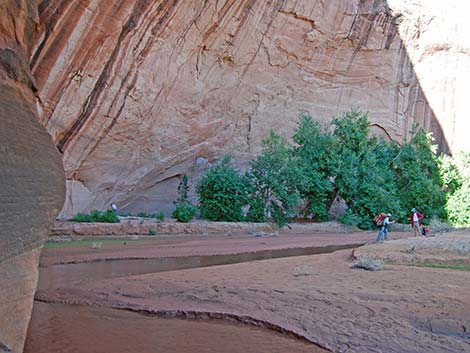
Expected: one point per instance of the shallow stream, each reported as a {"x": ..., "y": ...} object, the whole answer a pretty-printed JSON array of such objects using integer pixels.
[
  {"x": 62, "y": 328},
  {"x": 55, "y": 276},
  {"x": 58, "y": 328}
]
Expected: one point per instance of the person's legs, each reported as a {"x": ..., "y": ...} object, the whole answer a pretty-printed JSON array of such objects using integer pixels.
[
  {"x": 420, "y": 234},
  {"x": 379, "y": 236},
  {"x": 385, "y": 233},
  {"x": 416, "y": 230}
]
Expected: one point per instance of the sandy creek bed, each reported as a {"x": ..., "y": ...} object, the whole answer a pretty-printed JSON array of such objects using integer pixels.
[{"x": 316, "y": 298}]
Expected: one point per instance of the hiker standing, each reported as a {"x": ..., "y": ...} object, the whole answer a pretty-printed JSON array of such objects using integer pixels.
[
  {"x": 416, "y": 222},
  {"x": 384, "y": 230}
]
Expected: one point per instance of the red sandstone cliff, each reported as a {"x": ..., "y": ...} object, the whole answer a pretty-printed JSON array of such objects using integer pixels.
[
  {"x": 436, "y": 35},
  {"x": 31, "y": 174},
  {"x": 137, "y": 92}
]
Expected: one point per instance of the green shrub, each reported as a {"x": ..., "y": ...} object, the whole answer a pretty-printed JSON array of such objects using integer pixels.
[
  {"x": 96, "y": 216},
  {"x": 222, "y": 193},
  {"x": 370, "y": 174},
  {"x": 109, "y": 217},
  {"x": 160, "y": 216},
  {"x": 364, "y": 177},
  {"x": 450, "y": 173},
  {"x": 418, "y": 180},
  {"x": 81, "y": 217},
  {"x": 152, "y": 232},
  {"x": 458, "y": 206},
  {"x": 458, "y": 203},
  {"x": 184, "y": 212},
  {"x": 275, "y": 178},
  {"x": 256, "y": 204},
  {"x": 315, "y": 152},
  {"x": 349, "y": 218}
]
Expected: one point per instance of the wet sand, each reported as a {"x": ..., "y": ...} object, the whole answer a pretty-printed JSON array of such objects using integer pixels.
[
  {"x": 57, "y": 328},
  {"x": 318, "y": 297}
]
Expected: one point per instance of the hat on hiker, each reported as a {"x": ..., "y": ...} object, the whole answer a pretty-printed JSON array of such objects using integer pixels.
[
  {"x": 389, "y": 215},
  {"x": 413, "y": 209}
]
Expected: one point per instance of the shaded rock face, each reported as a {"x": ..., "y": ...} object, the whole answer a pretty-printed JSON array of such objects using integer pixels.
[
  {"x": 136, "y": 92},
  {"x": 436, "y": 35},
  {"x": 19, "y": 277},
  {"x": 31, "y": 174}
]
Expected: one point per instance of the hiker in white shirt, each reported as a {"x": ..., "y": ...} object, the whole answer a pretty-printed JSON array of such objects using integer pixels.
[{"x": 384, "y": 230}]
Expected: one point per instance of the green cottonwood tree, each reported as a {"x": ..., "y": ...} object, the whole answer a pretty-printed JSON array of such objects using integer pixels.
[
  {"x": 364, "y": 177},
  {"x": 275, "y": 181},
  {"x": 222, "y": 193},
  {"x": 315, "y": 153},
  {"x": 417, "y": 175},
  {"x": 458, "y": 203}
]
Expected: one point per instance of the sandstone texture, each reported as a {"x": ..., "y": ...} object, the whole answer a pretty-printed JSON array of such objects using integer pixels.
[
  {"x": 19, "y": 277},
  {"x": 436, "y": 35},
  {"x": 135, "y": 92},
  {"x": 31, "y": 175}
]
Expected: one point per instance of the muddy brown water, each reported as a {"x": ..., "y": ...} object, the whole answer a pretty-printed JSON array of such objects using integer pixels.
[
  {"x": 62, "y": 328},
  {"x": 75, "y": 329},
  {"x": 62, "y": 275}
]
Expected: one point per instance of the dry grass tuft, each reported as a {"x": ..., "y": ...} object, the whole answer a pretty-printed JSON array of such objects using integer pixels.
[
  {"x": 368, "y": 263},
  {"x": 96, "y": 245},
  {"x": 303, "y": 271}
]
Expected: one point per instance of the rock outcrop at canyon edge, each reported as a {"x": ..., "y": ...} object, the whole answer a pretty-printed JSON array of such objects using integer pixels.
[
  {"x": 135, "y": 92},
  {"x": 32, "y": 185}
]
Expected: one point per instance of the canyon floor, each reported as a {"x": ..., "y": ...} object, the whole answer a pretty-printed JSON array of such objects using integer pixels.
[{"x": 316, "y": 298}]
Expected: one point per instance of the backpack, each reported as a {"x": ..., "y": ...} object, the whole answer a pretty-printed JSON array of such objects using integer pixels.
[{"x": 379, "y": 219}]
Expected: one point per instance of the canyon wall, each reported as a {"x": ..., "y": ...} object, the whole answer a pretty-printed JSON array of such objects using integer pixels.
[
  {"x": 436, "y": 35},
  {"x": 32, "y": 185},
  {"x": 136, "y": 93}
]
